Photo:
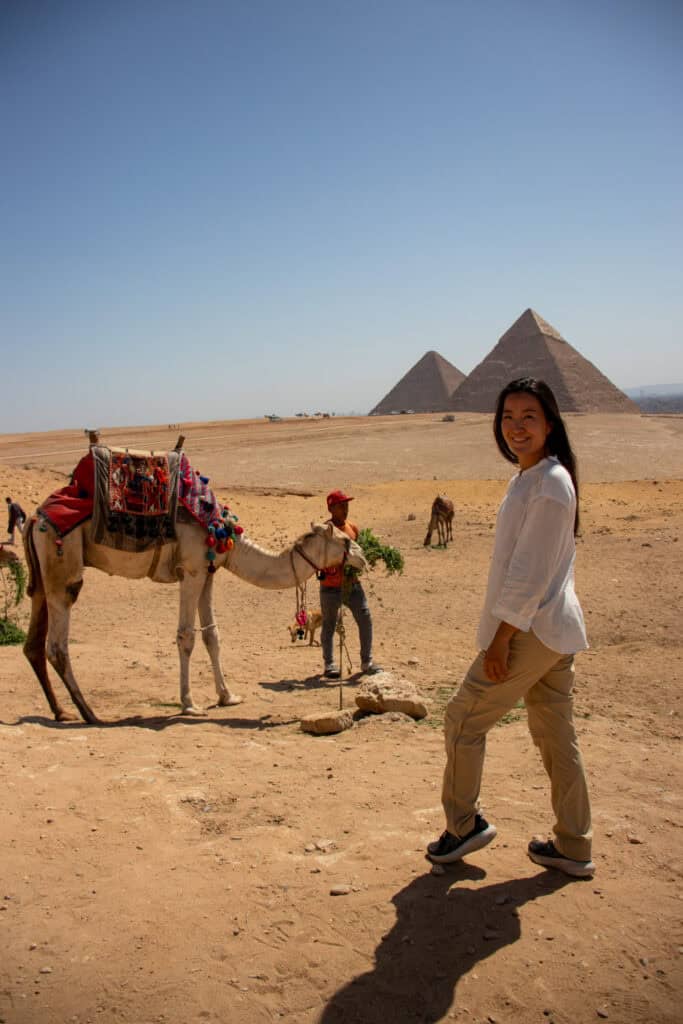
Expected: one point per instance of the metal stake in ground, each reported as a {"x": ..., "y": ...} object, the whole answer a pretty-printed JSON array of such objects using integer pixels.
[{"x": 341, "y": 629}]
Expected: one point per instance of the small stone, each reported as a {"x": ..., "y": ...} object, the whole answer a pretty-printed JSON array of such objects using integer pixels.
[
  {"x": 46, "y": 970},
  {"x": 34, "y": 945},
  {"x": 327, "y": 723},
  {"x": 636, "y": 840},
  {"x": 309, "y": 848},
  {"x": 340, "y": 890},
  {"x": 438, "y": 869},
  {"x": 602, "y": 1013},
  {"x": 413, "y": 661},
  {"x": 490, "y": 934},
  {"x": 324, "y": 845}
]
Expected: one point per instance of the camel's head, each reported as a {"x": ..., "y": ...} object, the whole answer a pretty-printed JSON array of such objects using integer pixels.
[{"x": 333, "y": 545}]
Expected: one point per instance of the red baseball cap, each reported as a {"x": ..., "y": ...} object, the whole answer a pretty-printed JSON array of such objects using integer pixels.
[{"x": 336, "y": 497}]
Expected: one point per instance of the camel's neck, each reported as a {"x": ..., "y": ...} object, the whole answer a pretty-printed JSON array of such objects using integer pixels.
[{"x": 265, "y": 568}]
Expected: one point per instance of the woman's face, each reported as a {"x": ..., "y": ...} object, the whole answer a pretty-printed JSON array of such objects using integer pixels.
[{"x": 525, "y": 428}]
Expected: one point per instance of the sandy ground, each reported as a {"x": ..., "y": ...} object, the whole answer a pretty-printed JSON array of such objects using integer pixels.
[{"x": 165, "y": 869}]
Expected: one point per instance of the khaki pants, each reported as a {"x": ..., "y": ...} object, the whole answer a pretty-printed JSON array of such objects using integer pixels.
[{"x": 544, "y": 679}]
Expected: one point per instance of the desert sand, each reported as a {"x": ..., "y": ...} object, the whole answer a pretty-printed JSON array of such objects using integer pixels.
[{"x": 166, "y": 870}]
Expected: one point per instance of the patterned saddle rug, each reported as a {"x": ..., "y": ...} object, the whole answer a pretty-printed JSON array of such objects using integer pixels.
[
  {"x": 135, "y": 499},
  {"x": 139, "y": 483}
]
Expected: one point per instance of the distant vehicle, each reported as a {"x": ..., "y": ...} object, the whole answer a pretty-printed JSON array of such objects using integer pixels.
[
  {"x": 273, "y": 418},
  {"x": 448, "y": 418}
]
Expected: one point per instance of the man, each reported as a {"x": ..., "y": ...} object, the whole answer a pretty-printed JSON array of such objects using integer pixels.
[
  {"x": 335, "y": 588},
  {"x": 17, "y": 518}
]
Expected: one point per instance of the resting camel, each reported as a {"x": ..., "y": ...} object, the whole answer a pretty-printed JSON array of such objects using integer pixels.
[
  {"x": 55, "y": 582},
  {"x": 441, "y": 520}
]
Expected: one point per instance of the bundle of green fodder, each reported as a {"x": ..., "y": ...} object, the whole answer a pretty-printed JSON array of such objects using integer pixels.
[{"x": 13, "y": 579}]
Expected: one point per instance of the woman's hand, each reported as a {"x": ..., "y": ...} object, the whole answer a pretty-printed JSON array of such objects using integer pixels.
[
  {"x": 496, "y": 660},
  {"x": 497, "y": 655}
]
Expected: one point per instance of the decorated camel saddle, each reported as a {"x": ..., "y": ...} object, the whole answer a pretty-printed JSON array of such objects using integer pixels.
[{"x": 135, "y": 498}]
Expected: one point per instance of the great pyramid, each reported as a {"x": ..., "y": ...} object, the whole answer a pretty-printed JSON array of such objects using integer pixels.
[
  {"x": 533, "y": 348},
  {"x": 426, "y": 387}
]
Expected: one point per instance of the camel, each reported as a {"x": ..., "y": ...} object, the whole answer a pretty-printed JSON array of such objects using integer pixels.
[
  {"x": 55, "y": 581},
  {"x": 441, "y": 520}
]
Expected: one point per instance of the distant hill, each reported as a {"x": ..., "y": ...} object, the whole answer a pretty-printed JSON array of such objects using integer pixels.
[
  {"x": 657, "y": 398},
  {"x": 654, "y": 391},
  {"x": 659, "y": 403}
]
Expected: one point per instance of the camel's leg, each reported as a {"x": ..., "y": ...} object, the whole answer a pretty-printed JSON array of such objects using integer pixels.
[
  {"x": 212, "y": 642},
  {"x": 59, "y": 614},
  {"x": 190, "y": 589},
  {"x": 34, "y": 649},
  {"x": 430, "y": 531}
]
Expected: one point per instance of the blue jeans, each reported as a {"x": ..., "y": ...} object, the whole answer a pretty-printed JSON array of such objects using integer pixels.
[{"x": 357, "y": 603}]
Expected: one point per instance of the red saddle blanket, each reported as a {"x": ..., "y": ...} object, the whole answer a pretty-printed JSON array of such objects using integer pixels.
[{"x": 70, "y": 506}]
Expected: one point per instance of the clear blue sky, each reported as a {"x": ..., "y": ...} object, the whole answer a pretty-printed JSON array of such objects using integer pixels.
[{"x": 217, "y": 209}]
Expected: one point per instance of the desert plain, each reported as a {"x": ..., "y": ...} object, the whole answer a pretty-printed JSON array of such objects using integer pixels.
[{"x": 160, "y": 869}]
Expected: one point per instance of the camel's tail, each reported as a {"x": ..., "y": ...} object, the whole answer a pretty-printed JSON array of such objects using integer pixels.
[{"x": 35, "y": 581}]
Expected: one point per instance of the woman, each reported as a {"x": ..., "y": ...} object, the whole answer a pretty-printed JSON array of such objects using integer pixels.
[{"x": 530, "y": 629}]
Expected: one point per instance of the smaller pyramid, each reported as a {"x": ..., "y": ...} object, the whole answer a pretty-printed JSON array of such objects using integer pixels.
[
  {"x": 426, "y": 387},
  {"x": 534, "y": 348}
]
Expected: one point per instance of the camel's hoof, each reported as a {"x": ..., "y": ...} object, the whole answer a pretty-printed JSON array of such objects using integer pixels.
[
  {"x": 193, "y": 712},
  {"x": 64, "y": 716},
  {"x": 229, "y": 702}
]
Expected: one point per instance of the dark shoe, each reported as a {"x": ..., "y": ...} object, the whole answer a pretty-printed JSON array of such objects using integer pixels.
[
  {"x": 546, "y": 855},
  {"x": 449, "y": 848},
  {"x": 331, "y": 672},
  {"x": 370, "y": 668}
]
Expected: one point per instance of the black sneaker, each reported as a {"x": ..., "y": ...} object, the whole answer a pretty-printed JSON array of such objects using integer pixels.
[
  {"x": 546, "y": 855},
  {"x": 370, "y": 668},
  {"x": 331, "y": 672},
  {"x": 449, "y": 848}
]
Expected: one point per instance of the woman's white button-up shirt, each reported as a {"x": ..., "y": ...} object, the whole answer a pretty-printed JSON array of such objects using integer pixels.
[{"x": 531, "y": 580}]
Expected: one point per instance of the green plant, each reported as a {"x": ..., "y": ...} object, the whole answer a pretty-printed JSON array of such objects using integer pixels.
[
  {"x": 13, "y": 578},
  {"x": 10, "y": 633},
  {"x": 375, "y": 552}
]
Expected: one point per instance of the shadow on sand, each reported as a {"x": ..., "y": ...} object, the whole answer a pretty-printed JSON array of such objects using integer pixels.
[
  {"x": 438, "y": 937},
  {"x": 316, "y": 682},
  {"x": 158, "y": 722}
]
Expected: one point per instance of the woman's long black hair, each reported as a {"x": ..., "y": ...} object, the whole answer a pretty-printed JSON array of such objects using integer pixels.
[{"x": 557, "y": 442}]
